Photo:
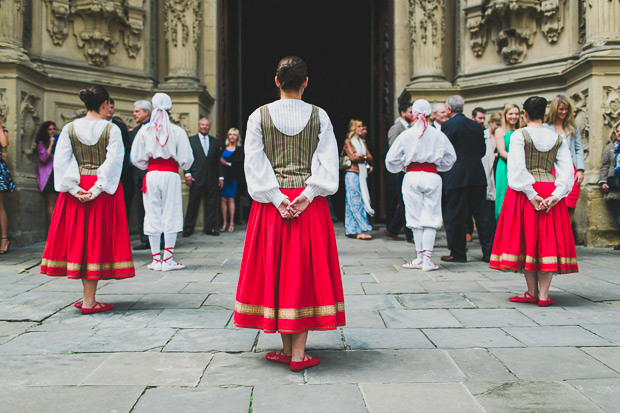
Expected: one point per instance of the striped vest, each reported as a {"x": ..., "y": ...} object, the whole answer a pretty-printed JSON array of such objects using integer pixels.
[
  {"x": 90, "y": 157},
  {"x": 540, "y": 164},
  {"x": 290, "y": 156}
]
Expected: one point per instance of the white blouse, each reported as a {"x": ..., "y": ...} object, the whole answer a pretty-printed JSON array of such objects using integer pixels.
[
  {"x": 66, "y": 170},
  {"x": 290, "y": 116},
  {"x": 520, "y": 179},
  {"x": 433, "y": 147},
  {"x": 145, "y": 146}
]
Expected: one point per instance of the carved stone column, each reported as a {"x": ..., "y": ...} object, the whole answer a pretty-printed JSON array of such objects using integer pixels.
[
  {"x": 12, "y": 30},
  {"x": 182, "y": 30},
  {"x": 427, "y": 28},
  {"x": 601, "y": 21}
]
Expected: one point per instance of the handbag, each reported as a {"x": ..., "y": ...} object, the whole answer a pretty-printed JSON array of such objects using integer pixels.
[{"x": 344, "y": 161}]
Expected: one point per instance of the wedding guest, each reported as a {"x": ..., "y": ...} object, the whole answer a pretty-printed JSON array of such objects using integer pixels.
[
  {"x": 511, "y": 121},
  {"x": 232, "y": 161},
  {"x": 46, "y": 139},
  {"x": 6, "y": 185},
  {"x": 609, "y": 176}
]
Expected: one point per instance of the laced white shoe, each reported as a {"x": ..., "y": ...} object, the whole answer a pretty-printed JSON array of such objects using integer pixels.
[
  {"x": 156, "y": 264},
  {"x": 429, "y": 266},
  {"x": 170, "y": 264},
  {"x": 415, "y": 264}
]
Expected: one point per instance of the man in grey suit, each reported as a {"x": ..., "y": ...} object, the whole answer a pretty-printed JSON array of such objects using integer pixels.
[
  {"x": 204, "y": 179},
  {"x": 395, "y": 211}
]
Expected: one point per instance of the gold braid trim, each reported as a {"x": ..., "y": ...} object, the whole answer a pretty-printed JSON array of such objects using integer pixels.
[
  {"x": 77, "y": 266},
  {"x": 289, "y": 313},
  {"x": 534, "y": 260}
]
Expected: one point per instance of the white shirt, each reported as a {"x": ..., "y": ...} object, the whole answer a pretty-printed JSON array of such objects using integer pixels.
[
  {"x": 433, "y": 147},
  {"x": 66, "y": 170},
  {"x": 290, "y": 116},
  {"x": 204, "y": 141},
  {"x": 520, "y": 179},
  {"x": 488, "y": 160},
  {"x": 405, "y": 124},
  {"x": 145, "y": 146}
]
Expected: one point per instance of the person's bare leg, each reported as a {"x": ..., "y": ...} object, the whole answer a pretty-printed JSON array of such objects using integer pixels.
[
  {"x": 4, "y": 242},
  {"x": 231, "y": 214},
  {"x": 224, "y": 214},
  {"x": 571, "y": 214},
  {"x": 50, "y": 197},
  {"x": 544, "y": 281},
  {"x": 287, "y": 344},
  {"x": 299, "y": 345},
  {"x": 532, "y": 283},
  {"x": 90, "y": 288}
]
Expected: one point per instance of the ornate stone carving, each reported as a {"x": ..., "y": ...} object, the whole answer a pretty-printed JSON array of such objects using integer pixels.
[
  {"x": 582, "y": 119},
  {"x": 73, "y": 115},
  {"x": 611, "y": 107},
  {"x": 28, "y": 121},
  {"x": 177, "y": 25},
  {"x": 427, "y": 27},
  {"x": 514, "y": 23},
  {"x": 95, "y": 24},
  {"x": 4, "y": 107},
  {"x": 180, "y": 119}
]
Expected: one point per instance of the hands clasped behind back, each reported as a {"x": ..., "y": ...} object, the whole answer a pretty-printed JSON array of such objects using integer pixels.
[{"x": 292, "y": 210}]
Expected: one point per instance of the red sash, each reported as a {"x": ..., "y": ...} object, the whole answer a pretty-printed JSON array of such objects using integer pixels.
[
  {"x": 160, "y": 164},
  {"x": 422, "y": 167}
]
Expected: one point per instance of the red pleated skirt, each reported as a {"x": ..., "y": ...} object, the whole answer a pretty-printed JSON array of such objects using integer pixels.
[
  {"x": 573, "y": 195},
  {"x": 530, "y": 240},
  {"x": 290, "y": 275},
  {"x": 89, "y": 240}
]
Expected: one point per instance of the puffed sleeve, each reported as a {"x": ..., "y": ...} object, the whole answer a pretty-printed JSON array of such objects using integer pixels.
[
  {"x": 395, "y": 158},
  {"x": 564, "y": 171},
  {"x": 138, "y": 155},
  {"x": 519, "y": 177},
  {"x": 185, "y": 155},
  {"x": 449, "y": 156},
  {"x": 66, "y": 170},
  {"x": 109, "y": 173},
  {"x": 324, "y": 170},
  {"x": 261, "y": 180}
]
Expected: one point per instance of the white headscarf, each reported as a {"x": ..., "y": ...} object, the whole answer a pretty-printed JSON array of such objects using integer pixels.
[
  {"x": 420, "y": 110},
  {"x": 159, "y": 126}
]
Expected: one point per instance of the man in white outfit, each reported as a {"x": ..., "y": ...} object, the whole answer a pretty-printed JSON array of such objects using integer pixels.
[
  {"x": 422, "y": 152},
  {"x": 162, "y": 148}
]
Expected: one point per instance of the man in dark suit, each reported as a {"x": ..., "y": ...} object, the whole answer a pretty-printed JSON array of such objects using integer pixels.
[
  {"x": 142, "y": 114},
  {"x": 464, "y": 186},
  {"x": 204, "y": 180},
  {"x": 395, "y": 206},
  {"x": 127, "y": 173}
]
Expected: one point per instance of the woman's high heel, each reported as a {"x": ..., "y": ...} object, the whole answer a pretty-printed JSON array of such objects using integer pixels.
[{"x": 8, "y": 246}]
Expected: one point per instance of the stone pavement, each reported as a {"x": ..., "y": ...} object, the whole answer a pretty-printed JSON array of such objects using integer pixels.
[{"x": 444, "y": 341}]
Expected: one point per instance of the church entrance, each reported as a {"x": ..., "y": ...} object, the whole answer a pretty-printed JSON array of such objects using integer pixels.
[{"x": 347, "y": 47}]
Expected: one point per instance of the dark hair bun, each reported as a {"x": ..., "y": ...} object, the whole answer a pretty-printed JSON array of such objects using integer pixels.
[
  {"x": 291, "y": 73},
  {"x": 93, "y": 97},
  {"x": 86, "y": 95}
]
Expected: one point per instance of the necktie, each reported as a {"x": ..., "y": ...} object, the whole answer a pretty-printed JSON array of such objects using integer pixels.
[{"x": 205, "y": 144}]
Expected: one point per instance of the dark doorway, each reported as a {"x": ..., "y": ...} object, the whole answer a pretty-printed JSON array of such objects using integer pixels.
[{"x": 344, "y": 43}]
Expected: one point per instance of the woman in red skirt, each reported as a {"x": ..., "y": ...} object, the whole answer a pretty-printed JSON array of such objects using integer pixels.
[
  {"x": 533, "y": 232},
  {"x": 290, "y": 275},
  {"x": 88, "y": 237}
]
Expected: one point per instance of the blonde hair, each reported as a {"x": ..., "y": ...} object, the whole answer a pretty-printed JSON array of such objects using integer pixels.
[
  {"x": 507, "y": 109},
  {"x": 353, "y": 124},
  {"x": 233, "y": 131},
  {"x": 569, "y": 120},
  {"x": 495, "y": 117}
]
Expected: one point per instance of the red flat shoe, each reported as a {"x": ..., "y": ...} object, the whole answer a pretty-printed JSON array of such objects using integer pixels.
[
  {"x": 278, "y": 357},
  {"x": 525, "y": 298},
  {"x": 307, "y": 362},
  {"x": 97, "y": 308},
  {"x": 546, "y": 303},
  {"x": 78, "y": 304}
]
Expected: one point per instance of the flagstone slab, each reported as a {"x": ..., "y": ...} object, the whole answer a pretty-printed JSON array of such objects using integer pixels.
[
  {"x": 604, "y": 392},
  {"x": 129, "y": 319},
  {"x": 418, "y": 397},
  {"x": 535, "y": 397},
  {"x": 556, "y": 336},
  {"x": 391, "y": 338},
  {"x": 492, "y": 318},
  {"x": 317, "y": 340},
  {"x": 452, "y": 286},
  {"x": 125, "y": 339},
  {"x": 456, "y": 276},
  {"x": 610, "y": 356},
  {"x": 470, "y": 338},
  {"x": 204, "y": 287},
  {"x": 370, "y": 302},
  {"x": 150, "y": 369},
  {"x": 224, "y": 301},
  {"x": 589, "y": 287},
  {"x": 212, "y": 339},
  {"x": 199, "y": 318},
  {"x": 62, "y": 284},
  {"x": 393, "y": 287},
  {"x": 14, "y": 328},
  {"x": 247, "y": 369},
  {"x": 34, "y": 306},
  {"x": 208, "y": 399},
  {"x": 341, "y": 398},
  {"x": 364, "y": 319},
  {"x": 384, "y": 366},
  {"x": 596, "y": 314},
  {"x": 71, "y": 318},
  {"x": 419, "y": 318},
  {"x": 151, "y": 301},
  {"x": 94, "y": 399},
  {"x": 48, "y": 369},
  {"x": 435, "y": 300},
  {"x": 45, "y": 342},
  {"x": 479, "y": 365},
  {"x": 610, "y": 332},
  {"x": 548, "y": 364},
  {"x": 491, "y": 300}
]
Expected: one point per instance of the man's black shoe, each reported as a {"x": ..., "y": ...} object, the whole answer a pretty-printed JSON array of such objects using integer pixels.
[
  {"x": 212, "y": 232},
  {"x": 142, "y": 246},
  {"x": 450, "y": 258},
  {"x": 617, "y": 247},
  {"x": 486, "y": 258},
  {"x": 187, "y": 234}
]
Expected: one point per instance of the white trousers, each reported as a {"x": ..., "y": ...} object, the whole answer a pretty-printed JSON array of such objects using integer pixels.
[
  {"x": 422, "y": 197},
  {"x": 163, "y": 203}
]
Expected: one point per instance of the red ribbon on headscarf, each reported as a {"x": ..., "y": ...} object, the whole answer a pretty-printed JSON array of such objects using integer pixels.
[{"x": 420, "y": 116}]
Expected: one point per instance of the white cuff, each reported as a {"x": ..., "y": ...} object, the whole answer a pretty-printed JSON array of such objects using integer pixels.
[
  {"x": 75, "y": 190},
  {"x": 95, "y": 190},
  {"x": 276, "y": 197},
  {"x": 188, "y": 174},
  {"x": 309, "y": 193},
  {"x": 530, "y": 193}
]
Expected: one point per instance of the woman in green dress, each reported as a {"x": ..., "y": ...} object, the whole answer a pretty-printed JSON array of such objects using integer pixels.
[{"x": 511, "y": 121}]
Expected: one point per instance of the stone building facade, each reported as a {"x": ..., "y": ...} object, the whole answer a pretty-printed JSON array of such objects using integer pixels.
[{"x": 490, "y": 51}]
